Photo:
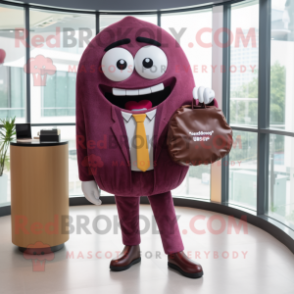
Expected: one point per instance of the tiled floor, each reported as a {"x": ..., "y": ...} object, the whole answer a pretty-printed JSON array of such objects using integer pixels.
[{"x": 250, "y": 262}]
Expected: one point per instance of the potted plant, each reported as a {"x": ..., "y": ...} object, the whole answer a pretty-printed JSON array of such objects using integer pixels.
[{"x": 7, "y": 133}]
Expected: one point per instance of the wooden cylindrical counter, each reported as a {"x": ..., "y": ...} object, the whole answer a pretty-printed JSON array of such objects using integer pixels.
[{"x": 39, "y": 195}]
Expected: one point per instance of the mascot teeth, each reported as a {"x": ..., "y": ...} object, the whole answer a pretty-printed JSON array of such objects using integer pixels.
[{"x": 135, "y": 92}]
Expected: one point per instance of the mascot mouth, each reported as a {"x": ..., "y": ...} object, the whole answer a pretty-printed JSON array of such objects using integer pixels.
[{"x": 141, "y": 98}]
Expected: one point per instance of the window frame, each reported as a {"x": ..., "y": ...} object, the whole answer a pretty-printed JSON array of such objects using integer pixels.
[{"x": 263, "y": 130}]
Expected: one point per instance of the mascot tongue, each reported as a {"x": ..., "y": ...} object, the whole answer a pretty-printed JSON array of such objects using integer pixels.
[{"x": 141, "y": 105}]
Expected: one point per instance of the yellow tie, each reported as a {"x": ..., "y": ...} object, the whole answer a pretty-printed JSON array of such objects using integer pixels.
[{"x": 143, "y": 161}]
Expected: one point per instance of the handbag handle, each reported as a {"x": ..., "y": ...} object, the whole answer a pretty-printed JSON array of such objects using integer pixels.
[{"x": 200, "y": 104}]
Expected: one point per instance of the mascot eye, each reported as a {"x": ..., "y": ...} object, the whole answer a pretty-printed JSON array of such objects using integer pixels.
[
  {"x": 121, "y": 64},
  {"x": 150, "y": 62},
  {"x": 147, "y": 62},
  {"x": 117, "y": 64}
]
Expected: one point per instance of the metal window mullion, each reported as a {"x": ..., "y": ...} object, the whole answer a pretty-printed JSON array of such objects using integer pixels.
[
  {"x": 244, "y": 129},
  {"x": 263, "y": 104},
  {"x": 52, "y": 124},
  {"x": 277, "y": 132},
  {"x": 9, "y": 80},
  {"x": 97, "y": 17},
  {"x": 159, "y": 18},
  {"x": 67, "y": 87},
  {"x": 55, "y": 92},
  {"x": 28, "y": 80},
  {"x": 226, "y": 98}
]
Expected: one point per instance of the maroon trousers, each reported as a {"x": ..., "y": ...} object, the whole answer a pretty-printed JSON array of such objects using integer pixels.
[{"x": 164, "y": 212}]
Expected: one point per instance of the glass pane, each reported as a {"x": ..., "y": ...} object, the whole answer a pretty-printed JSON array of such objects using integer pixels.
[
  {"x": 194, "y": 40},
  {"x": 281, "y": 179},
  {"x": 106, "y": 20},
  {"x": 5, "y": 192},
  {"x": 68, "y": 133},
  {"x": 197, "y": 181},
  {"x": 12, "y": 61},
  {"x": 282, "y": 65},
  {"x": 243, "y": 169},
  {"x": 196, "y": 184},
  {"x": 57, "y": 43},
  {"x": 244, "y": 64}
]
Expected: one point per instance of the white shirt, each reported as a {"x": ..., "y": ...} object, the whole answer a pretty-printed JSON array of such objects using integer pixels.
[{"x": 130, "y": 125}]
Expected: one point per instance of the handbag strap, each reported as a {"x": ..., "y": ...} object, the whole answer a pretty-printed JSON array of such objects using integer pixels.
[{"x": 202, "y": 105}]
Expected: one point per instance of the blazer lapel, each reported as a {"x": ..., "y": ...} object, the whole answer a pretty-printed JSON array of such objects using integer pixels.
[
  {"x": 120, "y": 134},
  {"x": 159, "y": 132},
  {"x": 119, "y": 131}
]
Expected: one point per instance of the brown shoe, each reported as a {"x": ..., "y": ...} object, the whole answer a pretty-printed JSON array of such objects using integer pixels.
[
  {"x": 128, "y": 257},
  {"x": 181, "y": 263}
]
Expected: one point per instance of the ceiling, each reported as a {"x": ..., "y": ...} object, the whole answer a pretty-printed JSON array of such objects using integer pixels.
[{"x": 126, "y": 5}]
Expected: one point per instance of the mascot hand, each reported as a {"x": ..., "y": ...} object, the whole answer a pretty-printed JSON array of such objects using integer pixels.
[
  {"x": 91, "y": 192},
  {"x": 205, "y": 95}
]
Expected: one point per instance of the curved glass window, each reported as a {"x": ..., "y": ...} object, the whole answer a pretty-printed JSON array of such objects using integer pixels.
[
  {"x": 108, "y": 19},
  {"x": 12, "y": 60},
  {"x": 263, "y": 142},
  {"x": 281, "y": 179},
  {"x": 244, "y": 64},
  {"x": 243, "y": 71},
  {"x": 57, "y": 43},
  {"x": 282, "y": 65},
  {"x": 192, "y": 30},
  {"x": 280, "y": 201},
  {"x": 243, "y": 169}
]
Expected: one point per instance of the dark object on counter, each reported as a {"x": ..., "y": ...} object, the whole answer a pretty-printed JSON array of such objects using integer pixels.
[
  {"x": 49, "y": 138},
  {"x": 52, "y": 135},
  {"x": 23, "y": 131},
  {"x": 50, "y": 132}
]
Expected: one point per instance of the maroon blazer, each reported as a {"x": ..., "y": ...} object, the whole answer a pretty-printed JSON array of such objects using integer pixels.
[{"x": 102, "y": 145}]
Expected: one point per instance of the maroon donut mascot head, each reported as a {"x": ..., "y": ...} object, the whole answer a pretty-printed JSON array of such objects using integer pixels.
[{"x": 130, "y": 66}]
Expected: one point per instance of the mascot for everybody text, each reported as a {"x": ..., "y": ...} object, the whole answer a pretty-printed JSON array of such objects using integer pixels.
[{"x": 131, "y": 78}]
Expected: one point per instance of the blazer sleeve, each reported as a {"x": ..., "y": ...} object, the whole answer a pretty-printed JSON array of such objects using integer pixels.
[{"x": 81, "y": 139}]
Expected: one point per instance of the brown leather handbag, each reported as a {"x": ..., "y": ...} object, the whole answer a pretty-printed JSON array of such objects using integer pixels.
[{"x": 198, "y": 134}]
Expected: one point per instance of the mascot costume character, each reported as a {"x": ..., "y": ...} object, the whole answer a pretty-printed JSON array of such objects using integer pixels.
[{"x": 131, "y": 78}]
